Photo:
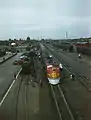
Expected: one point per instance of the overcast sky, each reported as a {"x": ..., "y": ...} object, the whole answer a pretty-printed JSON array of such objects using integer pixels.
[{"x": 46, "y": 18}]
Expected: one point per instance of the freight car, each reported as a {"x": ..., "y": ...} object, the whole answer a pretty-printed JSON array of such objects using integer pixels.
[
  {"x": 26, "y": 67},
  {"x": 84, "y": 50}
]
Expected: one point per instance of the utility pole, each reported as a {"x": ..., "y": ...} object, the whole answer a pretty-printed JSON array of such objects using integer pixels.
[{"x": 66, "y": 35}]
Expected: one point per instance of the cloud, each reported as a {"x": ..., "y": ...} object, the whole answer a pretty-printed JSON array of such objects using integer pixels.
[{"x": 47, "y": 17}]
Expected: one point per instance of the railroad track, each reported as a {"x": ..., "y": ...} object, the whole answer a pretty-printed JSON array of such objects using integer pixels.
[
  {"x": 62, "y": 106},
  {"x": 22, "y": 89},
  {"x": 83, "y": 80}
]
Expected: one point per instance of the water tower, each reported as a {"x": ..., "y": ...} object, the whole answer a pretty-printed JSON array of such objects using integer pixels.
[{"x": 13, "y": 45}]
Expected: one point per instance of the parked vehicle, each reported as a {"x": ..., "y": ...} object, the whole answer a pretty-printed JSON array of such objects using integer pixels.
[{"x": 18, "y": 62}]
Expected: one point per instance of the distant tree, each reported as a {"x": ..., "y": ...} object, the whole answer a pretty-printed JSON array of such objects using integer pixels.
[
  {"x": 9, "y": 39},
  {"x": 28, "y": 38},
  {"x": 20, "y": 39},
  {"x": 14, "y": 39},
  {"x": 6, "y": 42},
  {"x": 71, "y": 48}
]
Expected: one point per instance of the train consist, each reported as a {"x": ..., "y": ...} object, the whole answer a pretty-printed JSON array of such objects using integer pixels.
[
  {"x": 52, "y": 70},
  {"x": 28, "y": 60},
  {"x": 52, "y": 67},
  {"x": 81, "y": 47}
]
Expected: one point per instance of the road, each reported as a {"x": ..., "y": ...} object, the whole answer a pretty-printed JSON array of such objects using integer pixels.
[
  {"x": 5, "y": 57},
  {"x": 27, "y": 99},
  {"x": 7, "y": 71}
]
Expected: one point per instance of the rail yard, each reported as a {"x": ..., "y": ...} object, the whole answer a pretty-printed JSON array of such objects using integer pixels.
[{"x": 33, "y": 86}]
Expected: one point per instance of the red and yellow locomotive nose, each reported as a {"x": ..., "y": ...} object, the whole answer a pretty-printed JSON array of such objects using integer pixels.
[{"x": 53, "y": 73}]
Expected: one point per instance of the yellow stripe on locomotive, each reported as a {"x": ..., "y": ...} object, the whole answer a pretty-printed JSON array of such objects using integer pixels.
[{"x": 53, "y": 75}]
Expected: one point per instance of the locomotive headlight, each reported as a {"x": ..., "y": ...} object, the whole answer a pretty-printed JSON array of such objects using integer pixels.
[{"x": 60, "y": 65}]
